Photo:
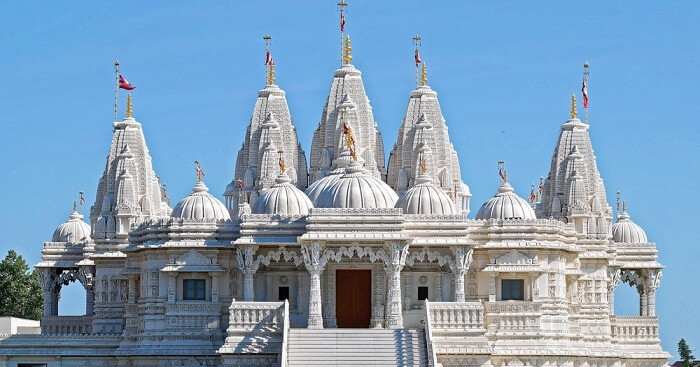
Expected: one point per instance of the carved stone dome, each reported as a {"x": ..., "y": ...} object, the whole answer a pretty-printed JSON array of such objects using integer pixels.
[
  {"x": 200, "y": 205},
  {"x": 506, "y": 205},
  {"x": 283, "y": 198},
  {"x": 72, "y": 231},
  {"x": 426, "y": 198},
  {"x": 357, "y": 189},
  {"x": 315, "y": 189},
  {"x": 627, "y": 231}
]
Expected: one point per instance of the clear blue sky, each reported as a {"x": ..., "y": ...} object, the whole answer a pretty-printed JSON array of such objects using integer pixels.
[{"x": 498, "y": 67}]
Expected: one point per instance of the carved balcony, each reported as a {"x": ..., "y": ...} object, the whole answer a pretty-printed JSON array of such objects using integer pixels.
[
  {"x": 513, "y": 318},
  {"x": 190, "y": 315},
  {"x": 634, "y": 329},
  {"x": 66, "y": 324},
  {"x": 457, "y": 317},
  {"x": 255, "y": 328}
]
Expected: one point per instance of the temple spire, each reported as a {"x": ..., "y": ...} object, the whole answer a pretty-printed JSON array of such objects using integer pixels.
[{"x": 573, "y": 111}]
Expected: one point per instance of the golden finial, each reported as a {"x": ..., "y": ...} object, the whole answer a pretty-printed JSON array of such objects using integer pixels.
[
  {"x": 347, "y": 56},
  {"x": 129, "y": 107},
  {"x": 75, "y": 206},
  {"x": 624, "y": 206},
  {"x": 573, "y": 107},
  {"x": 281, "y": 161},
  {"x": 423, "y": 74},
  {"x": 271, "y": 73},
  {"x": 198, "y": 170}
]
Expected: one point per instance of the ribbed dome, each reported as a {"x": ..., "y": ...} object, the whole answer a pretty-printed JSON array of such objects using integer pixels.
[
  {"x": 356, "y": 189},
  {"x": 200, "y": 205},
  {"x": 506, "y": 205},
  {"x": 283, "y": 198},
  {"x": 426, "y": 198},
  {"x": 315, "y": 189},
  {"x": 627, "y": 231},
  {"x": 72, "y": 231}
]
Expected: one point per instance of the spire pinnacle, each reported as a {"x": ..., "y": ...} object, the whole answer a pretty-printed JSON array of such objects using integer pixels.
[
  {"x": 347, "y": 56},
  {"x": 423, "y": 74},
  {"x": 75, "y": 206},
  {"x": 129, "y": 107},
  {"x": 573, "y": 111}
]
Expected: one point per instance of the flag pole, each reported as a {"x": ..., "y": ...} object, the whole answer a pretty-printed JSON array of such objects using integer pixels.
[
  {"x": 416, "y": 43},
  {"x": 116, "y": 89},
  {"x": 342, "y": 4},
  {"x": 585, "y": 82},
  {"x": 267, "y": 39}
]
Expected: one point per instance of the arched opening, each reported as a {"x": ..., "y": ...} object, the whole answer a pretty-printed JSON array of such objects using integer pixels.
[
  {"x": 72, "y": 299},
  {"x": 626, "y": 300}
]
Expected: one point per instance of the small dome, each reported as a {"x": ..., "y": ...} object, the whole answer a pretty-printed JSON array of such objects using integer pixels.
[
  {"x": 506, "y": 205},
  {"x": 283, "y": 198},
  {"x": 200, "y": 205},
  {"x": 627, "y": 231},
  {"x": 72, "y": 231},
  {"x": 357, "y": 189},
  {"x": 315, "y": 189},
  {"x": 426, "y": 198}
]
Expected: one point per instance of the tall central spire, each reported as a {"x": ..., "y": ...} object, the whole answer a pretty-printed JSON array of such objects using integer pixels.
[{"x": 348, "y": 95}]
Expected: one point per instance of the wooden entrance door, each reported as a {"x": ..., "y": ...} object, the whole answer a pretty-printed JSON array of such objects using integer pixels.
[{"x": 353, "y": 298}]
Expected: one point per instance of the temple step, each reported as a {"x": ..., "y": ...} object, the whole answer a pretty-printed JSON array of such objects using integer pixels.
[{"x": 356, "y": 347}]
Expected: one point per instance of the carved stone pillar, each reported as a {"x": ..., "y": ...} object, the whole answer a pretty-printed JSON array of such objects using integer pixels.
[
  {"x": 46, "y": 280},
  {"x": 394, "y": 262},
  {"x": 652, "y": 284},
  {"x": 438, "y": 287},
  {"x": 299, "y": 298},
  {"x": 463, "y": 259},
  {"x": 132, "y": 288},
  {"x": 171, "y": 287},
  {"x": 314, "y": 262},
  {"x": 246, "y": 262},
  {"x": 407, "y": 291},
  {"x": 492, "y": 287},
  {"x": 328, "y": 289},
  {"x": 614, "y": 276},
  {"x": 89, "y": 299},
  {"x": 214, "y": 286},
  {"x": 268, "y": 288},
  {"x": 642, "y": 299}
]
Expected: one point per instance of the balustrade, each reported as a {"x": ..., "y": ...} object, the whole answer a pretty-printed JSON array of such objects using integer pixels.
[
  {"x": 513, "y": 317},
  {"x": 634, "y": 329},
  {"x": 454, "y": 316},
  {"x": 66, "y": 324}
]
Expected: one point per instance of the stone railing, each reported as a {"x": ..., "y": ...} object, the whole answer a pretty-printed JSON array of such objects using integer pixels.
[
  {"x": 513, "y": 317},
  {"x": 285, "y": 335},
  {"x": 255, "y": 328},
  {"x": 456, "y": 316},
  {"x": 193, "y": 315},
  {"x": 634, "y": 329},
  {"x": 427, "y": 325},
  {"x": 66, "y": 324}
]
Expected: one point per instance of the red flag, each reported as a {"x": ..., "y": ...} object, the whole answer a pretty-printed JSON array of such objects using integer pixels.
[
  {"x": 584, "y": 90},
  {"x": 502, "y": 173},
  {"x": 417, "y": 58},
  {"x": 268, "y": 58},
  {"x": 124, "y": 84},
  {"x": 541, "y": 188},
  {"x": 532, "y": 196},
  {"x": 342, "y": 22}
]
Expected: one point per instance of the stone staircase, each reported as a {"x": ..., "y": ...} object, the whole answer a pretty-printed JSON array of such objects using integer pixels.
[{"x": 357, "y": 347}]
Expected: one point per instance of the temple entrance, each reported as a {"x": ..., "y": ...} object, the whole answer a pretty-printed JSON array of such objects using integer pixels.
[{"x": 353, "y": 298}]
